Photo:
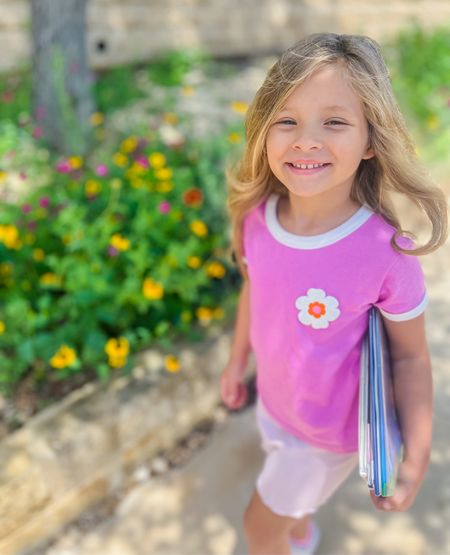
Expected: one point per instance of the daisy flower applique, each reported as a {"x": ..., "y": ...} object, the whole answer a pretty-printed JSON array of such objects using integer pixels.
[{"x": 317, "y": 309}]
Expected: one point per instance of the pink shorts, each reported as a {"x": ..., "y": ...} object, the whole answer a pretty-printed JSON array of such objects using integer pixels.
[{"x": 297, "y": 478}]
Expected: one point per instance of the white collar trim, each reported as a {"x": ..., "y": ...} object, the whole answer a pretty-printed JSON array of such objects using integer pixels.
[{"x": 312, "y": 241}]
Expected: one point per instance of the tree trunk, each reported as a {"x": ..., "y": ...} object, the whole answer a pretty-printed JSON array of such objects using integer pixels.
[{"x": 62, "y": 96}]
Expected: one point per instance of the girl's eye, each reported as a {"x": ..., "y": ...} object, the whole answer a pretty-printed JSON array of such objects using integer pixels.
[
  {"x": 286, "y": 122},
  {"x": 335, "y": 122}
]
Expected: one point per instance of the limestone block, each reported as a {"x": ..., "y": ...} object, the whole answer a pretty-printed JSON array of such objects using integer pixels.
[{"x": 69, "y": 456}]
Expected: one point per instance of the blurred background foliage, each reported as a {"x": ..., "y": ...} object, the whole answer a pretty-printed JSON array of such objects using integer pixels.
[{"x": 125, "y": 248}]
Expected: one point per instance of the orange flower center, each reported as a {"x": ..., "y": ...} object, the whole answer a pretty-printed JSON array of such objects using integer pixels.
[{"x": 316, "y": 309}]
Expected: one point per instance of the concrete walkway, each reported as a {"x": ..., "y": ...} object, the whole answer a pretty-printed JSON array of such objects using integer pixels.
[{"x": 197, "y": 510}]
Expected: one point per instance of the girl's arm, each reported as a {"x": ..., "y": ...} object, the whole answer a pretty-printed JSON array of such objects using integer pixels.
[
  {"x": 232, "y": 387},
  {"x": 241, "y": 342},
  {"x": 413, "y": 392}
]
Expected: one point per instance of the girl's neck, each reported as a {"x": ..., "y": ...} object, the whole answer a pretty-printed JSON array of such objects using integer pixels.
[{"x": 311, "y": 216}]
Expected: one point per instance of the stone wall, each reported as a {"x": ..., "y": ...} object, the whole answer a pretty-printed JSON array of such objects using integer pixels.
[{"x": 125, "y": 30}]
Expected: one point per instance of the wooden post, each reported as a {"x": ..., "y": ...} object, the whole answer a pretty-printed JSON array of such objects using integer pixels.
[{"x": 62, "y": 96}]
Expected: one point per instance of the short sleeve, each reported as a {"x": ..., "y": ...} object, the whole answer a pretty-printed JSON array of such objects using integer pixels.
[{"x": 403, "y": 294}]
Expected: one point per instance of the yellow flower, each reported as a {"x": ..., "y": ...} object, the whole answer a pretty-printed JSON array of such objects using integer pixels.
[
  {"x": 170, "y": 118},
  {"x": 117, "y": 351},
  {"x": 117, "y": 347},
  {"x": 215, "y": 270},
  {"x": 9, "y": 236},
  {"x": 172, "y": 364},
  {"x": 92, "y": 187},
  {"x": 75, "y": 162},
  {"x": 67, "y": 239},
  {"x": 239, "y": 107},
  {"x": 152, "y": 290},
  {"x": 137, "y": 183},
  {"x": 120, "y": 159},
  {"x": 119, "y": 242},
  {"x": 129, "y": 144},
  {"x": 188, "y": 91},
  {"x": 117, "y": 362},
  {"x": 199, "y": 228},
  {"x": 194, "y": 262},
  {"x": 38, "y": 255},
  {"x": 96, "y": 119},
  {"x": 137, "y": 169},
  {"x": 50, "y": 278},
  {"x": 234, "y": 137},
  {"x": 2, "y": 327},
  {"x": 164, "y": 187},
  {"x": 134, "y": 172},
  {"x": 219, "y": 313},
  {"x": 157, "y": 160},
  {"x": 432, "y": 122},
  {"x": 65, "y": 356},
  {"x": 164, "y": 174},
  {"x": 204, "y": 315},
  {"x": 2, "y": 176}
]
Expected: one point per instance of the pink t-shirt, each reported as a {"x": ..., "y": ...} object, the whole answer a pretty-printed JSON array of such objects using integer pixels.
[{"x": 309, "y": 302}]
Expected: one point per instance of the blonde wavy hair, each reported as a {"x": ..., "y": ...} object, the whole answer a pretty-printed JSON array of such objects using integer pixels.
[{"x": 394, "y": 168}]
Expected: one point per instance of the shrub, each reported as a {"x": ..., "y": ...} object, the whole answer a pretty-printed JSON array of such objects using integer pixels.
[{"x": 107, "y": 258}]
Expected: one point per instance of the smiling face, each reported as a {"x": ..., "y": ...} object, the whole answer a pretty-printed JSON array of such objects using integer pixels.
[{"x": 317, "y": 141}]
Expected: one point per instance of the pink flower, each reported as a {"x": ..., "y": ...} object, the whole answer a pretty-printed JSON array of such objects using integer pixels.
[
  {"x": 63, "y": 166},
  {"x": 37, "y": 132},
  {"x": 101, "y": 170},
  {"x": 27, "y": 208},
  {"x": 112, "y": 251},
  {"x": 44, "y": 202},
  {"x": 164, "y": 207},
  {"x": 142, "y": 161},
  {"x": 23, "y": 176}
]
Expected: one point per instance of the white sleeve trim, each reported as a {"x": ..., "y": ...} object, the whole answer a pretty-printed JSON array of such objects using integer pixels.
[
  {"x": 244, "y": 260},
  {"x": 407, "y": 315}
]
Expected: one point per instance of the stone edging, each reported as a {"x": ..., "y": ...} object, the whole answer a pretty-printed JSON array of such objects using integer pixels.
[{"x": 74, "y": 453}]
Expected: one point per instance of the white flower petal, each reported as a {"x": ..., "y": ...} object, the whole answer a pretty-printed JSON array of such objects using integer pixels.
[
  {"x": 320, "y": 323},
  {"x": 316, "y": 295},
  {"x": 332, "y": 314},
  {"x": 331, "y": 302},
  {"x": 305, "y": 318},
  {"x": 302, "y": 303}
]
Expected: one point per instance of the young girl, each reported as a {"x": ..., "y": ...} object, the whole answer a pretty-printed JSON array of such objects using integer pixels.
[{"x": 318, "y": 243}]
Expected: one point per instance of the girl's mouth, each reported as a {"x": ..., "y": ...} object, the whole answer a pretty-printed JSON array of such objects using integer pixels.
[{"x": 303, "y": 169}]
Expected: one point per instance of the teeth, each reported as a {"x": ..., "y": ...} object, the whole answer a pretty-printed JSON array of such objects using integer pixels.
[{"x": 307, "y": 166}]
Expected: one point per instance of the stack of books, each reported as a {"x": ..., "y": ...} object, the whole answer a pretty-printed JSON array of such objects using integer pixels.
[{"x": 380, "y": 442}]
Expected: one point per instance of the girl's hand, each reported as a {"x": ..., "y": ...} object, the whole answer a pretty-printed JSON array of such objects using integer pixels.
[
  {"x": 408, "y": 485},
  {"x": 233, "y": 390}
]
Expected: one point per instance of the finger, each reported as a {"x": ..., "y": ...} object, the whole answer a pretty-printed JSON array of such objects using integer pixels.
[{"x": 379, "y": 502}]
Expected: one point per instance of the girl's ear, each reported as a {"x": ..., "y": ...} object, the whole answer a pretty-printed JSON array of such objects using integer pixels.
[{"x": 368, "y": 154}]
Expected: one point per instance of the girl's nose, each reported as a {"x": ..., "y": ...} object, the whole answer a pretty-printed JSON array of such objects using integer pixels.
[{"x": 306, "y": 140}]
